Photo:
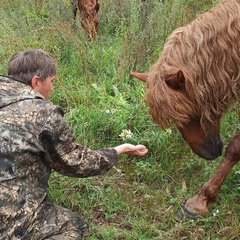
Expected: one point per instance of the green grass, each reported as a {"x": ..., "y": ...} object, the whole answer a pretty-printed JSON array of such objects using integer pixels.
[{"x": 138, "y": 198}]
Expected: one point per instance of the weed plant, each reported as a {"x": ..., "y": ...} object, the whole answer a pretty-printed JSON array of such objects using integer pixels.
[{"x": 139, "y": 197}]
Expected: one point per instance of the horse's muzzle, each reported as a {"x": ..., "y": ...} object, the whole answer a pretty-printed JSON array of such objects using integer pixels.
[{"x": 210, "y": 150}]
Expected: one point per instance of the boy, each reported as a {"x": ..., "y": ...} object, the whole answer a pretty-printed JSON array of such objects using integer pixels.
[{"x": 34, "y": 140}]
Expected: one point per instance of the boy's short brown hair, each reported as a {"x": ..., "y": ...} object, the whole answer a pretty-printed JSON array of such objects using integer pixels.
[{"x": 23, "y": 66}]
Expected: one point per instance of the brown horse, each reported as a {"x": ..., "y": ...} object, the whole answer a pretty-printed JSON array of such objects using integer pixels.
[
  {"x": 88, "y": 15},
  {"x": 195, "y": 80}
]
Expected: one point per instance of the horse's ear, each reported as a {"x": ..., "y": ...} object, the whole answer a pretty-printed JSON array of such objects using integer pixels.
[
  {"x": 176, "y": 81},
  {"x": 141, "y": 76}
]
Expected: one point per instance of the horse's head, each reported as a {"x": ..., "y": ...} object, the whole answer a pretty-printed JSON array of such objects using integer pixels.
[{"x": 170, "y": 103}]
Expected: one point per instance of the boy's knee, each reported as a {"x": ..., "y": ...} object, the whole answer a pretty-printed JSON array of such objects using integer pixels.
[{"x": 59, "y": 223}]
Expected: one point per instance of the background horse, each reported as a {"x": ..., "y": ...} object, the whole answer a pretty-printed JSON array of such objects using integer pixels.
[
  {"x": 88, "y": 15},
  {"x": 193, "y": 83}
]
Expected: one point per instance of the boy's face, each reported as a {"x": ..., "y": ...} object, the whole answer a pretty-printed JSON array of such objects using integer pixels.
[{"x": 44, "y": 87}]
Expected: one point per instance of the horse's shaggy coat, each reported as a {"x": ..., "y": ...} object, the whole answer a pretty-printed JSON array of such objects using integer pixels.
[{"x": 206, "y": 55}]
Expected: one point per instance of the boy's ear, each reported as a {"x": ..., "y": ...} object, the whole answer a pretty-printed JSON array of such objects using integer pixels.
[{"x": 35, "y": 82}]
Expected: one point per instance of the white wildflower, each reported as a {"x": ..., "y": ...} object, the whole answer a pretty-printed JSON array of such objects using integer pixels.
[
  {"x": 126, "y": 134},
  {"x": 215, "y": 213},
  {"x": 112, "y": 111},
  {"x": 169, "y": 131}
]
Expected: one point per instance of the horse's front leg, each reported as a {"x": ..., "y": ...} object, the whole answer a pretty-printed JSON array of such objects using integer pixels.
[
  {"x": 200, "y": 202},
  {"x": 74, "y": 8}
]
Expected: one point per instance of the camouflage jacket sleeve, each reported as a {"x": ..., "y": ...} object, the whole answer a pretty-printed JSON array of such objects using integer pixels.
[{"x": 69, "y": 158}]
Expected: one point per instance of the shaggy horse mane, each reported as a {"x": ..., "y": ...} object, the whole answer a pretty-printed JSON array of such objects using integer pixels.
[{"x": 207, "y": 52}]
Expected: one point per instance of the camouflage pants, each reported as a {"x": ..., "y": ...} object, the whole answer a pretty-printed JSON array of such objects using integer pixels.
[{"x": 57, "y": 223}]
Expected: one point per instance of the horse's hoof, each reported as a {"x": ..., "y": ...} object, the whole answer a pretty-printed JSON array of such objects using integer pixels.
[{"x": 184, "y": 213}]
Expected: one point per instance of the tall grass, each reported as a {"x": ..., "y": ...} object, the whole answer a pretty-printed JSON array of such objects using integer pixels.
[{"x": 139, "y": 197}]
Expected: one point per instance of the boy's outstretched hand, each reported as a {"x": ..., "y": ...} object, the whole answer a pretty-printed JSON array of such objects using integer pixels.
[{"x": 132, "y": 150}]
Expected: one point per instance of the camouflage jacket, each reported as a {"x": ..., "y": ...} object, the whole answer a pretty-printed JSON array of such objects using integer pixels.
[{"x": 34, "y": 140}]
